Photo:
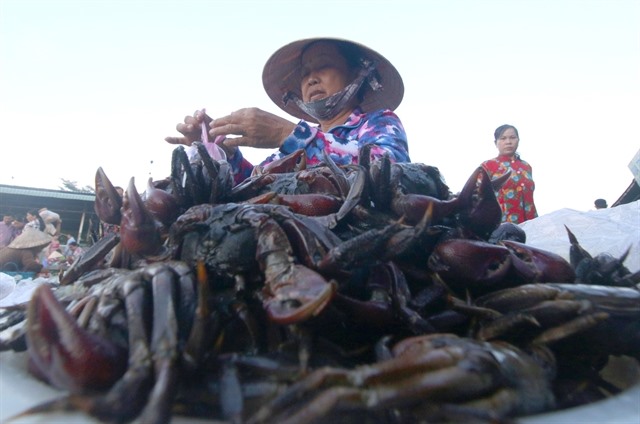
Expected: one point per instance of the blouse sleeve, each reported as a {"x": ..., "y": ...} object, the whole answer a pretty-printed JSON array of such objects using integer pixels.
[{"x": 381, "y": 128}]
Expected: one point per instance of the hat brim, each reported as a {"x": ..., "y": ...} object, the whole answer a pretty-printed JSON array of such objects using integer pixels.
[
  {"x": 281, "y": 75},
  {"x": 29, "y": 239}
]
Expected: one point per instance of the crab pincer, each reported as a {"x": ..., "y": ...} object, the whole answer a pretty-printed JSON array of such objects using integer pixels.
[
  {"x": 66, "y": 355},
  {"x": 139, "y": 230},
  {"x": 108, "y": 200},
  {"x": 292, "y": 291}
]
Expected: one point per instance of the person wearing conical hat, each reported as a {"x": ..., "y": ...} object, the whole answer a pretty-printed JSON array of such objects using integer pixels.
[
  {"x": 344, "y": 94},
  {"x": 22, "y": 252},
  {"x": 8, "y": 230}
]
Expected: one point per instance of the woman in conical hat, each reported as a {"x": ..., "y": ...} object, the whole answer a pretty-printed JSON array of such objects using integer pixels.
[
  {"x": 22, "y": 252},
  {"x": 344, "y": 94}
]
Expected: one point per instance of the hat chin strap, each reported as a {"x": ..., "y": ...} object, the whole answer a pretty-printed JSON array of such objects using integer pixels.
[{"x": 329, "y": 107}]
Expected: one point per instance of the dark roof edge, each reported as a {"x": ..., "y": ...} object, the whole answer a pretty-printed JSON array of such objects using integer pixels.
[{"x": 631, "y": 194}]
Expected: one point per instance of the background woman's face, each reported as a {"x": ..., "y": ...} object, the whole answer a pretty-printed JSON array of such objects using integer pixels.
[
  {"x": 324, "y": 72},
  {"x": 507, "y": 144}
]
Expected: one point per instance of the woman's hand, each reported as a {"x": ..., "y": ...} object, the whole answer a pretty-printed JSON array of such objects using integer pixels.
[
  {"x": 255, "y": 127},
  {"x": 191, "y": 129}
]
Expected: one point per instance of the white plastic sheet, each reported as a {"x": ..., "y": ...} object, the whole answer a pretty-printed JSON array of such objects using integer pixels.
[{"x": 612, "y": 231}]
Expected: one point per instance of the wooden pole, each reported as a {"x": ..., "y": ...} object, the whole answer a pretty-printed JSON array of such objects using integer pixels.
[{"x": 81, "y": 225}]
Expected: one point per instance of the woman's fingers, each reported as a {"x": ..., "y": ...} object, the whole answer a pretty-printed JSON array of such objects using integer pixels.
[{"x": 177, "y": 140}]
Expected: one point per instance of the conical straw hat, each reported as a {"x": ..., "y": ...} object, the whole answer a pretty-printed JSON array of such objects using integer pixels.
[
  {"x": 30, "y": 238},
  {"x": 281, "y": 74}
]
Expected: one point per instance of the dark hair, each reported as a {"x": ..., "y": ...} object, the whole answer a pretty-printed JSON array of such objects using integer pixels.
[
  {"x": 600, "y": 203},
  {"x": 41, "y": 222},
  {"x": 501, "y": 129}
]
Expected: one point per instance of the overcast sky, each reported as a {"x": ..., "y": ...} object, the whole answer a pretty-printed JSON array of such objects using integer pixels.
[{"x": 96, "y": 83}]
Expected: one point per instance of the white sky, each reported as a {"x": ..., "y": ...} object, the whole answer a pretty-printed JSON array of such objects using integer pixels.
[{"x": 96, "y": 83}]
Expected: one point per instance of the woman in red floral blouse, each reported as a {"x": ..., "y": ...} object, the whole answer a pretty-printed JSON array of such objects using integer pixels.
[{"x": 515, "y": 195}]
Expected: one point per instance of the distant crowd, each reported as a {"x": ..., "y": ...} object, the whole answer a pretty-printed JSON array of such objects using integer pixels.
[{"x": 35, "y": 244}]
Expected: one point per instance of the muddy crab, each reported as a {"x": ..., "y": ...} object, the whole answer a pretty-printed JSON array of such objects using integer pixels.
[
  {"x": 584, "y": 326},
  {"x": 607, "y": 319},
  {"x": 278, "y": 300},
  {"x": 602, "y": 269},
  {"x": 440, "y": 377},
  {"x": 114, "y": 338},
  {"x": 242, "y": 243}
]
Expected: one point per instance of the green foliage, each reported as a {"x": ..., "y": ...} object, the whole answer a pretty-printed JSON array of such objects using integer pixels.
[{"x": 68, "y": 185}]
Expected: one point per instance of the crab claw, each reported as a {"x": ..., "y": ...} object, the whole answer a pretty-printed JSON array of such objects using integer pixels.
[
  {"x": 542, "y": 265},
  {"x": 305, "y": 204},
  {"x": 470, "y": 264},
  {"x": 300, "y": 295},
  {"x": 483, "y": 214},
  {"x": 161, "y": 204},
  {"x": 139, "y": 230},
  {"x": 576, "y": 252},
  {"x": 295, "y": 161},
  {"x": 108, "y": 200},
  {"x": 66, "y": 355}
]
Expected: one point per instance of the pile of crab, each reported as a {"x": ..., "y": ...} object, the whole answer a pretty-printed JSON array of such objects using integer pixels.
[{"x": 360, "y": 293}]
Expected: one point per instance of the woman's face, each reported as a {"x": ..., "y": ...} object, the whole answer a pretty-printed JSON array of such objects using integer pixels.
[
  {"x": 30, "y": 217},
  {"x": 324, "y": 71},
  {"x": 507, "y": 144}
]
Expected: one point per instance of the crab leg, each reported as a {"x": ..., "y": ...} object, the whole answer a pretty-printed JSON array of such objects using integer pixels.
[
  {"x": 164, "y": 343},
  {"x": 90, "y": 259},
  {"x": 204, "y": 327}
]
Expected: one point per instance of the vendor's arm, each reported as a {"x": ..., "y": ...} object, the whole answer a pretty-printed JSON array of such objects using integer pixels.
[
  {"x": 382, "y": 128},
  {"x": 252, "y": 127}
]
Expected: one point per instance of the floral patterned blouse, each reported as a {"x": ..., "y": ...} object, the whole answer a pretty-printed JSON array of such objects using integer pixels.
[
  {"x": 382, "y": 128},
  {"x": 516, "y": 195}
]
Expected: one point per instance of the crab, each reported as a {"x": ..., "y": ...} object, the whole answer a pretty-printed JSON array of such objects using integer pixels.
[
  {"x": 249, "y": 246},
  {"x": 326, "y": 190},
  {"x": 200, "y": 179},
  {"x": 408, "y": 189},
  {"x": 602, "y": 269},
  {"x": 129, "y": 345},
  {"x": 292, "y": 259},
  {"x": 582, "y": 324},
  {"x": 437, "y": 377},
  {"x": 606, "y": 319}
]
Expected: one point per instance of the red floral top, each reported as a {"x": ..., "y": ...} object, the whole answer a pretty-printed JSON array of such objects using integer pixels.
[{"x": 516, "y": 195}]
